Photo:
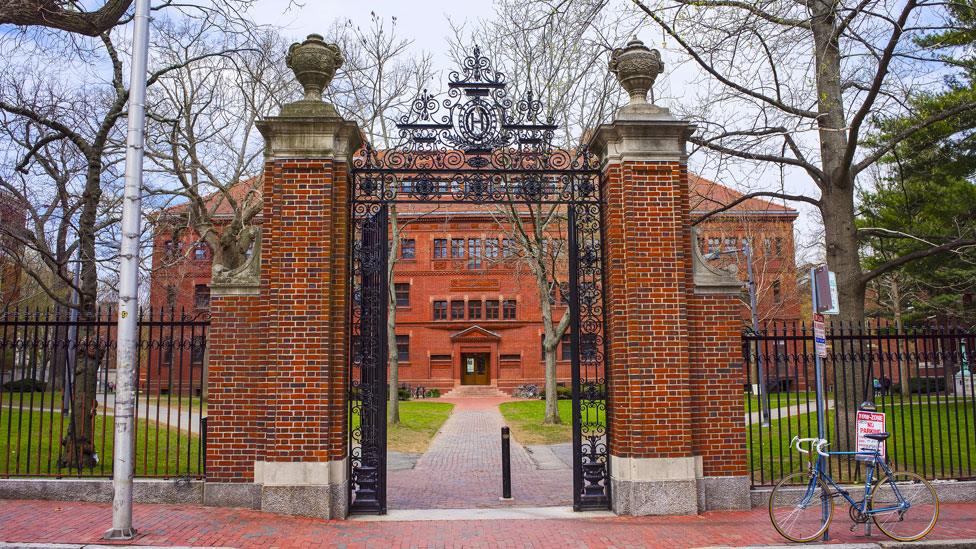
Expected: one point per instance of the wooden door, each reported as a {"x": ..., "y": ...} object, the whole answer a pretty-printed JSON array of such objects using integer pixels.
[{"x": 474, "y": 369}]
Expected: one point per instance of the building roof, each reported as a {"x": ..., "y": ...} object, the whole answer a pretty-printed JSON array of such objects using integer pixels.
[
  {"x": 707, "y": 195},
  {"x": 217, "y": 202}
]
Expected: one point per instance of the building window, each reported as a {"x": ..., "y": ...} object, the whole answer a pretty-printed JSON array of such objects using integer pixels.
[
  {"x": 564, "y": 294},
  {"x": 171, "y": 249},
  {"x": 403, "y": 348},
  {"x": 474, "y": 309},
  {"x": 491, "y": 309},
  {"x": 402, "y": 291},
  {"x": 440, "y": 248},
  {"x": 170, "y": 297},
  {"x": 508, "y": 247},
  {"x": 779, "y": 247},
  {"x": 197, "y": 348},
  {"x": 567, "y": 347},
  {"x": 408, "y": 248},
  {"x": 201, "y": 296},
  {"x": 200, "y": 251},
  {"x": 491, "y": 248},
  {"x": 777, "y": 293},
  {"x": 588, "y": 348},
  {"x": 474, "y": 253},
  {"x": 508, "y": 309},
  {"x": 440, "y": 310},
  {"x": 457, "y": 310},
  {"x": 767, "y": 245},
  {"x": 457, "y": 247},
  {"x": 441, "y": 358},
  {"x": 357, "y": 350},
  {"x": 730, "y": 243},
  {"x": 168, "y": 351}
]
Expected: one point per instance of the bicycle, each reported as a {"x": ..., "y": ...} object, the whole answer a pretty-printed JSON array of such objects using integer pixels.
[{"x": 903, "y": 505}]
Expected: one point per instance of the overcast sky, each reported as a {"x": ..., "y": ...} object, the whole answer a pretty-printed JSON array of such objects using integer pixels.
[{"x": 426, "y": 23}]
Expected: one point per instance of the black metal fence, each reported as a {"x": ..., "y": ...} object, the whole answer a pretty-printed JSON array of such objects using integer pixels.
[
  {"x": 57, "y": 393},
  {"x": 921, "y": 378}
]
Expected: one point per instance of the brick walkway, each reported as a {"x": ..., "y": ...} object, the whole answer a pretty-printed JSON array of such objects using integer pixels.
[
  {"x": 462, "y": 467},
  {"x": 73, "y": 522}
]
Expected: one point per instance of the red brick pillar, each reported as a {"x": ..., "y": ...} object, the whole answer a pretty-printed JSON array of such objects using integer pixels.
[
  {"x": 671, "y": 329},
  {"x": 277, "y": 412}
]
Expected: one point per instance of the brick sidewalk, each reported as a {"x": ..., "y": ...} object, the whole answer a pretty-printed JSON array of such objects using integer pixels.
[
  {"x": 73, "y": 522},
  {"x": 462, "y": 467}
]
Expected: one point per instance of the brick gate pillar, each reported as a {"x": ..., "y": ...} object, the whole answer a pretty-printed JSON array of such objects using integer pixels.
[
  {"x": 677, "y": 440},
  {"x": 279, "y": 347}
]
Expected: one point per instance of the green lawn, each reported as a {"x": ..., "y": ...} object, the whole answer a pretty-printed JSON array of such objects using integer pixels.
[
  {"x": 781, "y": 400},
  {"x": 156, "y": 451},
  {"x": 949, "y": 441},
  {"x": 419, "y": 422},
  {"x": 41, "y": 400},
  {"x": 524, "y": 417}
]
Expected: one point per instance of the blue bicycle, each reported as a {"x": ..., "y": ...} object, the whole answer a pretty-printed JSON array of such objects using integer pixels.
[{"x": 904, "y": 506}]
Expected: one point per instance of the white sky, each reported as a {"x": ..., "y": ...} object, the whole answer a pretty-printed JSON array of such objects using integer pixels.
[{"x": 426, "y": 23}]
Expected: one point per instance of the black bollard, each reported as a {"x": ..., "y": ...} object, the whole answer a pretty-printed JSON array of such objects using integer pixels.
[{"x": 506, "y": 464}]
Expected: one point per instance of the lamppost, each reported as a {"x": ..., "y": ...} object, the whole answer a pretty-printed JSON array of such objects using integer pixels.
[{"x": 763, "y": 394}]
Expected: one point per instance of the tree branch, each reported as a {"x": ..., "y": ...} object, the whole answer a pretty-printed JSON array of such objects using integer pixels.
[{"x": 743, "y": 198}]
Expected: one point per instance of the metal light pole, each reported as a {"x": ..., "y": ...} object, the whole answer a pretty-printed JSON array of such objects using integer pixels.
[
  {"x": 124, "y": 452},
  {"x": 72, "y": 357}
]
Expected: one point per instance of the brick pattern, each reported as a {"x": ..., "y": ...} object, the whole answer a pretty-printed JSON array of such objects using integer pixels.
[
  {"x": 647, "y": 281},
  {"x": 236, "y": 411},
  {"x": 675, "y": 372},
  {"x": 306, "y": 284},
  {"x": 184, "y": 525}
]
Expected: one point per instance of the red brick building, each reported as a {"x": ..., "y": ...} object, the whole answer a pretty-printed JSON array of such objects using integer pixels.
[{"x": 467, "y": 312}]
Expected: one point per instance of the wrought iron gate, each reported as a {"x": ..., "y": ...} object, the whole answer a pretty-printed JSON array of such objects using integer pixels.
[{"x": 476, "y": 146}]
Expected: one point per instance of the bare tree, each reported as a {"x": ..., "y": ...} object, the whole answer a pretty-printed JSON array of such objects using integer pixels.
[
  {"x": 378, "y": 80},
  {"x": 798, "y": 85},
  {"x": 558, "y": 60}
]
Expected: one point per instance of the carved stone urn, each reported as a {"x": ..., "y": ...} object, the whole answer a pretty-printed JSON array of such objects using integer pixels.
[
  {"x": 314, "y": 62},
  {"x": 636, "y": 67}
]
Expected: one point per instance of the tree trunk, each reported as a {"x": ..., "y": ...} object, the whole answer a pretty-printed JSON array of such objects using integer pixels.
[
  {"x": 79, "y": 442},
  {"x": 902, "y": 364},
  {"x": 837, "y": 211},
  {"x": 552, "y": 396}
]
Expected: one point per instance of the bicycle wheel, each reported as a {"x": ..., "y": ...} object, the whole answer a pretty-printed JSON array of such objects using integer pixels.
[
  {"x": 899, "y": 522},
  {"x": 800, "y": 509}
]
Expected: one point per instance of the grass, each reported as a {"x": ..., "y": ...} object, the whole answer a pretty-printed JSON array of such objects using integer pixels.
[
  {"x": 156, "y": 450},
  {"x": 419, "y": 422},
  {"x": 524, "y": 417},
  {"x": 939, "y": 444},
  {"x": 44, "y": 400},
  {"x": 779, "y": 400}
]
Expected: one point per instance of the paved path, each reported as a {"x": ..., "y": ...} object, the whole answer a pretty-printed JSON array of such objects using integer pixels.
[
  {"x": 193, "y": 525},
  {"x": 462, "y": 467},
  {"x": 794, "y": 409}
]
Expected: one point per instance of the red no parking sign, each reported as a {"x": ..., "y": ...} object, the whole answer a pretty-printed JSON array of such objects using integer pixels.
[{"x": 869, "y": 423}]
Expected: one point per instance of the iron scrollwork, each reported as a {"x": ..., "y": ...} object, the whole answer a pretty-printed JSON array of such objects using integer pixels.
[{"x": 477, "y": 145}]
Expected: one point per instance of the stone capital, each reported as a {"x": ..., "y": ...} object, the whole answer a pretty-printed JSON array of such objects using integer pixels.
[
  {"x": 642, "y": 133},
  {"x": 319, "y": 134}
]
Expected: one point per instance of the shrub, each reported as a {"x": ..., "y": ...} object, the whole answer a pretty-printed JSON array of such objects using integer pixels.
[
  {"x": 403, "y": 393},
  {"x": 926, "y": 384},
  {"x": 433, "y": 393},
  {"x": 562, "y": 393},
  {"x": 26, "y": 385}
]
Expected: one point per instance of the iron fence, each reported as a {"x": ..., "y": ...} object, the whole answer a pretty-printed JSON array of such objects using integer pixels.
[
  {"x": 920, "y": 377},
  {"x": 57, "y": 397}
]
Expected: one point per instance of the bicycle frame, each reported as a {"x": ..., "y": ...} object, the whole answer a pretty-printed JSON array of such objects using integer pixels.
[{"x": 820, "y": 472}]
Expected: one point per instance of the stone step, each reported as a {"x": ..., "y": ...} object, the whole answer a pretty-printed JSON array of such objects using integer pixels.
[{"x": 474, "y": 391}]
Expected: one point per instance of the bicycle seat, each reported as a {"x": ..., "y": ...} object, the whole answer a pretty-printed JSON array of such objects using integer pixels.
[{"x": 880, "y": 437}]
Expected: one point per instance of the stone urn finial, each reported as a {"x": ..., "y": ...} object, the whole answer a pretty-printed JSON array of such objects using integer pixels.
[
  {"x": 314, "y": 62},
  {"x": 636, "y": 67}
]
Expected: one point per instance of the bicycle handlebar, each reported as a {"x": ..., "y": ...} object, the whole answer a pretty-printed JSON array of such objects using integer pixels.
[{"x": 815, "y": 444}]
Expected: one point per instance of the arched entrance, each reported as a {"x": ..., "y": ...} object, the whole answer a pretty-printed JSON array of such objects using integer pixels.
[{"x": 476, "y": 146}]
